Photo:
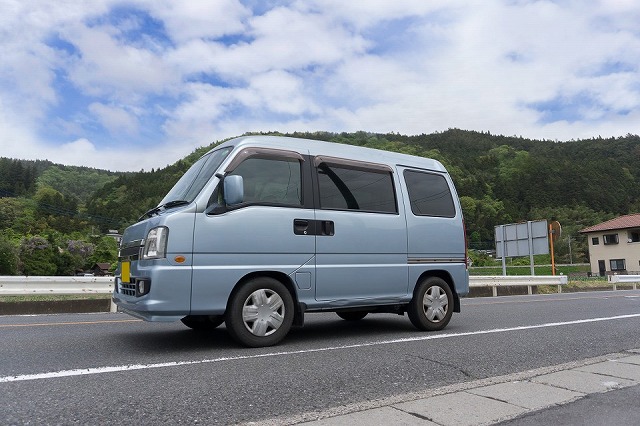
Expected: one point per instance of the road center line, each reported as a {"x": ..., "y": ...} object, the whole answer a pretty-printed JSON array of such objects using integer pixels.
[{"x": 133, "y": 367}]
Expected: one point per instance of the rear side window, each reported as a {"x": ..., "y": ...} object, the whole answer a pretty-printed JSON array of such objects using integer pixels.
[
  {"x": 356, "y": 188},
  {"x": 429, "y": 194},
  {"x": 271, "y": 181}
]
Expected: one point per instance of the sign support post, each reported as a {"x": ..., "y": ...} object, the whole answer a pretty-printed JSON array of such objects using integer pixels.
[
  {"x": 504, "y": 250},
  {"x": 553, "y": 263},
  {"x": 530, "y": 240}
]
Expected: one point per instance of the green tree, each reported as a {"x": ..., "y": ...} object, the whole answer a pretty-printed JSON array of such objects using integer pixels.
[
  {"x": 481, "y": 216},
  {"x": 37, "y": 257},
  {"x": 8, "y": 257},
  {"x": 106, "y": 251}
]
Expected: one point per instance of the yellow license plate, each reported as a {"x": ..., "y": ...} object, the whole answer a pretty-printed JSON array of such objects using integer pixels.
[{"x": 125, "y": 272}]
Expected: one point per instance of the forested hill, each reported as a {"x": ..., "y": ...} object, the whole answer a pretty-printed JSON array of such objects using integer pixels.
[
  {"x": 25, "y": 177},
  {"x": 499, "y": 179},
  {"x": 44, "y": 226}
]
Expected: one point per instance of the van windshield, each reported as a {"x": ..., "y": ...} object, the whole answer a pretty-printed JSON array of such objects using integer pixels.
[{"x": 192, "y": 182}]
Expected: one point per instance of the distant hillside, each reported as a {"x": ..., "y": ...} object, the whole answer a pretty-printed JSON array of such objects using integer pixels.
[
  {"x": 500, "y": 179},
  {"x": 44, "y": 226},
  {"x": 25, "y": 177}
]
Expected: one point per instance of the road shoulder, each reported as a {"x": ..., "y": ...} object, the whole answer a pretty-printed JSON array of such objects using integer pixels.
[{"x": 490, "y": 400}]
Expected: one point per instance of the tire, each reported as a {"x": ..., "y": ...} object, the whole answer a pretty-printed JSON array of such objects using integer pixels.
[
  {"x": 203, "y": 322},
  {"x": 352, "y": 315},
  {"x": 432, "y": 305},
  {"x": 260, "y": 313}
]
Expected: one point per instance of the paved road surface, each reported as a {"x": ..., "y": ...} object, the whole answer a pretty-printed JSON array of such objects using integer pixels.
[{"x": 113, "y": 369}]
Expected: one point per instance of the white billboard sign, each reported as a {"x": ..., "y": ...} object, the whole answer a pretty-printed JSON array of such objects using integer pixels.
[{"x": 522, "y": 239}]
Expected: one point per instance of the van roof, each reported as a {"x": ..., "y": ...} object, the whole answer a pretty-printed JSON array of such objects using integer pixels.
[{"x": 333, "y": 149}]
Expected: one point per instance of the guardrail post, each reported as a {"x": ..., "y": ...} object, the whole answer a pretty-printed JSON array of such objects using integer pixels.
[
  {"x": 495, "y": 291},
  {"x": 529, "y": 289},
  {"x": 559, "y": 288}
]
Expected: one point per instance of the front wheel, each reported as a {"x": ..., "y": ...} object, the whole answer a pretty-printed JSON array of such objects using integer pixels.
[
  {"x": 431, "y": 306},
  {"x": 260, "y": 312}
]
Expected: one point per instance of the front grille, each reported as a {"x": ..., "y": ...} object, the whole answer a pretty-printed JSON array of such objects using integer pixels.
[
  {"x": 132, "y": 253},
  {"x": 131, "y": 250},
  {"x": 128, "y": 289}
]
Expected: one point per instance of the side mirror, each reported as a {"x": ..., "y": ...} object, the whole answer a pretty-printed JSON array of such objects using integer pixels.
[{"x": 233, "y": 190}]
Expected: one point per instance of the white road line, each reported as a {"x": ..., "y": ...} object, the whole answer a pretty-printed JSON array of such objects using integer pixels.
[{"x": 133, "y": 367}]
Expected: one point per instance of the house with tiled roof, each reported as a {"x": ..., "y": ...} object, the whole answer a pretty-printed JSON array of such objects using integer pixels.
[{"x": 614, "y": 245}]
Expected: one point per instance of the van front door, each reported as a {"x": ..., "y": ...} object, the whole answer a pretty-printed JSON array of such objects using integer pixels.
[
  {"x": 255, "y": 236},
  {"x": 364, "y": 257}
]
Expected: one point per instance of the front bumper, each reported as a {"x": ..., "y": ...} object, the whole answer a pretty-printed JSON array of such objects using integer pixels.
[{"x": 155, "y": 292}]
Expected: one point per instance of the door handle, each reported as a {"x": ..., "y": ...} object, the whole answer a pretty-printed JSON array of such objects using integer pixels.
[
  {"x": 301, "y": 226},
  {"x": 327, "y": 228},
  {"x": 313, "y": 227}
]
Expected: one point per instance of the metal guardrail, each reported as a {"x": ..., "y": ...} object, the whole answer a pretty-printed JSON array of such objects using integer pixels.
[
  {"x": 495, "y": 281},
  {"x": 104, "y": 285},
  {"x": 624, "y": 279},
  {"x": 17, "y": 286},
  {"x": 12, "y": 285},
  {"x": 55, "y": 285}
]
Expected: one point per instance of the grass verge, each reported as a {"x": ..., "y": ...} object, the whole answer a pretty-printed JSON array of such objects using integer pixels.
[{"x": 53, "y": 297}]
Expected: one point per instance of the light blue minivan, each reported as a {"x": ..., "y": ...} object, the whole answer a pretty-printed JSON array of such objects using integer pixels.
[{"x": 263, "y": 229}]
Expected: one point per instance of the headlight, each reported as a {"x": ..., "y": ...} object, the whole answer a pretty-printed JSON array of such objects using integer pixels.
[{"x": 155, "y": 245}]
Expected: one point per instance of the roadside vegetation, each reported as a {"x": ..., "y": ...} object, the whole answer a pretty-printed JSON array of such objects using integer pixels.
[{"x": 52, "y": 297}]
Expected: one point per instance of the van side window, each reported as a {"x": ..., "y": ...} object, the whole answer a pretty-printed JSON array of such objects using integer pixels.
[
  {"x": 429, "y": 194},
  {"x": 347, "y": 188},
  {"x": 271, "y": 181}
]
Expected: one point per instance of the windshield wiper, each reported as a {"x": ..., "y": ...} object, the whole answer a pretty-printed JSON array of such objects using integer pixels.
[
  {"x": 174, "y": 203},
  {"x": 167, "y": 205}
]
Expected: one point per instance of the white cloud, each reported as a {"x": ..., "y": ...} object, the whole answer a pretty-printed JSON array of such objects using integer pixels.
[
  {"x": 191, "y": 20},
  {"x": 106, "y": 66},
  {"x": 281, "y": 92},
  {"x": 115, "y": 119},
  {"x": 213, "y": 69}
]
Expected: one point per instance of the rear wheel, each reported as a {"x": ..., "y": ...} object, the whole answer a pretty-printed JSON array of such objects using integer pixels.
[
  {"x": 260, "y": 313},
  {"x": 202, "y": 322},
  {"x": 352, "y": 315},
  {"x": 432, "y": 305}
]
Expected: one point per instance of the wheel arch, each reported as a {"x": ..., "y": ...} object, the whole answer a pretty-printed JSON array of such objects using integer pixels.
[
  {"x": 446, "y": 277},
  {"x": 281, "y": 277}
]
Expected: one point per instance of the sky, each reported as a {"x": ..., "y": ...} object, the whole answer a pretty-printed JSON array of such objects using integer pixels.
[{"x": 129, "y": 85}]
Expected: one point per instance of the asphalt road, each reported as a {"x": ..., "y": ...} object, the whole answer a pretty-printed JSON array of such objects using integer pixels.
[{"x": 113, "y": 369}]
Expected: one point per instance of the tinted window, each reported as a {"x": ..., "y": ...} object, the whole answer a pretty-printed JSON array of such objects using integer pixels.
[
  {"x": 429, "y": 194},
  {"x": 348, "y": 188},
  {"x": 271, "y": 181}
]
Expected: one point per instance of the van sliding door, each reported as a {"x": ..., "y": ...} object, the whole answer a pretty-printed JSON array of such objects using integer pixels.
[{"x": 364, "y": 257}]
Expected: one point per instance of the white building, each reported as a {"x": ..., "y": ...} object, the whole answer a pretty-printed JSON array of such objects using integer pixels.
[{"x": 614, "y": 245}]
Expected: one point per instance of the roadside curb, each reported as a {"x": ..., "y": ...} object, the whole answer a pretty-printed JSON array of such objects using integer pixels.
[{"x": 494, "y": 399}]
